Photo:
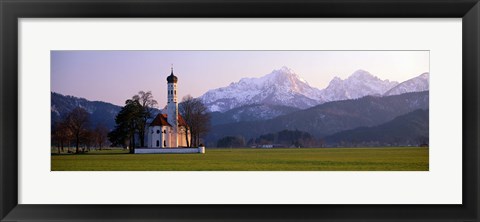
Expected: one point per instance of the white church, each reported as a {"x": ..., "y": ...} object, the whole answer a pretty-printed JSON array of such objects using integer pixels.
[{"x": 168, "y": 130}]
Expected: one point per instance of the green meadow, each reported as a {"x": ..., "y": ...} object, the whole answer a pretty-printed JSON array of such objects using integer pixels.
[{"x": 247, "y": 159}]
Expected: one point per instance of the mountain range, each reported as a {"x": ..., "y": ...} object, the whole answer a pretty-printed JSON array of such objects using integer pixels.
[
  {"x": 281, "y": 87},
  {"x": 282, "y": 100},
  {"x": 361, "y": 83},
  {"x": 283, "y": 91},
  {"x": 331, "y": 117},
  {"x": 284, "y": 87}
]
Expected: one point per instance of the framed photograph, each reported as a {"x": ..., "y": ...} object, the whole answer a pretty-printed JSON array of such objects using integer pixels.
[{"x": 226, "y": 110}]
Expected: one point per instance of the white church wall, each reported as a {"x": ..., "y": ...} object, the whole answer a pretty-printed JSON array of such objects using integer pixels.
[
  {"x": 181, "y": 137},
  {"x": 164, "y": 137},
  {"x": 155, "y": 134},
  {"x": 148, "y": 141}
]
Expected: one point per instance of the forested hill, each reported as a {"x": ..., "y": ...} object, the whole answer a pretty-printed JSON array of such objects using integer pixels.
[
  {"x": 100, "y": 112},
  {"x": 330, "y": 118},
  {"x": 409, "y": 129}
]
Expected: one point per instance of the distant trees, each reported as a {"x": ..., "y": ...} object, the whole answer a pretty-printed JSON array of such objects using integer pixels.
[
  {"x": 76, "y": 128},
  {"x": 422, "y": 141},
  {"x": 77, "y": 122},
  {"x": 100, "y": 135},
  {"x": 196, "y": 116},
  {"x": 287, "y": 138},
  {"x": 61, "y": 135},
  {"x": 284, "y": 138},
  {"x": 88, "y": 139},
  {"x": 231, "y": 141}
]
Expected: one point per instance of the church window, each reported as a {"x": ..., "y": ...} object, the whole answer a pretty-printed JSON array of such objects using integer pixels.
[
  {"x": 175, "y": 92},
  {"x": 164, "y": 143},
  {"x": 158, "y": 131},
  {"x": 165, "y": 131},
  {"x": 158, "y": 143}
]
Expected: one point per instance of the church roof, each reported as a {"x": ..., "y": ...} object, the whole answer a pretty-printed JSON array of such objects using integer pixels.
[
  {"x": 181, "y": 121},
  {"x": 161, "y": 120},
  {"x": 172, "y": 78}
]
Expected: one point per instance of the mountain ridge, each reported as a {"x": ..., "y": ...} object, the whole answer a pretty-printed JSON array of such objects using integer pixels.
[
  {"x": 100, "y": 112},
  {"x": 331, "y": 117},
  {"x": 280, "y": 87},
  {"x": 416, "y": 84},
  {"x": 284, "y": 87},
  {"x": 359, "y": 84},
  {"x": 410, "y": 129}
]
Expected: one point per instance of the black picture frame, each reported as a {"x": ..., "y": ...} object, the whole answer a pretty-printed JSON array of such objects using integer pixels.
[{"x": 12, "y": 10}]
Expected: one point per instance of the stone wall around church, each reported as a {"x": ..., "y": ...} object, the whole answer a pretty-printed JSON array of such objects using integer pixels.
[{"x": 169, "y": 150}]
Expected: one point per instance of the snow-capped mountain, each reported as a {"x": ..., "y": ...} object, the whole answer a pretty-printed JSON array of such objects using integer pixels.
[
  {"x": 281, "y": 87},
  {"x": 284, "y": 87},
  {"x": 361, "y": 83},
  {"x": 252, "y": 112},
  {"x": 417, "y": 84}
]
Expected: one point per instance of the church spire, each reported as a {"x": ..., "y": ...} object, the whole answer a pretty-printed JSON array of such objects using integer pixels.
[
  {"x": 172, "y": 108},
  {"x": 172, "y": 78}
]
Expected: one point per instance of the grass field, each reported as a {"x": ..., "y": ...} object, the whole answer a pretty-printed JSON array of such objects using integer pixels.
[{"x": 305, "y": 159}]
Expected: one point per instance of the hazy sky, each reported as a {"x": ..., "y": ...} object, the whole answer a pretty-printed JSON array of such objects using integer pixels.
[{"x": 115, "y": 76}]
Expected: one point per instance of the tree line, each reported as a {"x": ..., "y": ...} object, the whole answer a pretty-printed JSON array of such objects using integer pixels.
[
  {"x": 284, "y": 138},
  {"x": 76, "y": 128}
]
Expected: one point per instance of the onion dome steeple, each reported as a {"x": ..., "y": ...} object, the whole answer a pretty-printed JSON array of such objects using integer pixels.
[{"x": 172, "y": 78}]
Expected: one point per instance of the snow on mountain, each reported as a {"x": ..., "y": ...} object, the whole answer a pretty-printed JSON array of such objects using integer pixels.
[
  {"x": 417, "y": 84},
  {"x": 280, "y": 87},
  {"x": 284, "y": 87},
  {"x": 361, "y": 83},
  {"x": 252, "y": 112}
]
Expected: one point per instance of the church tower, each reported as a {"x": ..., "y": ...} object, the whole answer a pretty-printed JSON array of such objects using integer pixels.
[{"x": 172, "y": 108}]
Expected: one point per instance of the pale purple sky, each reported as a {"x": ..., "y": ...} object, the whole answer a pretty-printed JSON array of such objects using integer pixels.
[{"x": 115, "y": 76}]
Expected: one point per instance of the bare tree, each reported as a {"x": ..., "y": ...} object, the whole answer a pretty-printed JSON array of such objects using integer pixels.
[
  {"x": 87, "y": 139},
  {"x": 77, "y": 122},
  {"x": 186, "y": 110},
  {"x": 61, "y": 134},
  {"x": 100, "y": 135},
  {"x": 148, "y": 103},
  {"x": 202, "y": 122},
  {"x": 197, "y": 118}
]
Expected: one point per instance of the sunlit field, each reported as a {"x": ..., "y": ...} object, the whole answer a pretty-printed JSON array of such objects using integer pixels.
[{"x": 247, "y": 159}]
